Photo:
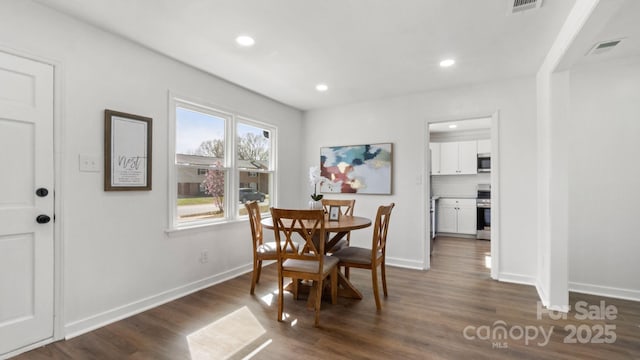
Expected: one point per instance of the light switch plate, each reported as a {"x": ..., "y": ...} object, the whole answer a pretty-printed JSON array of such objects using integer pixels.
[{"x": 89, "y": 163}]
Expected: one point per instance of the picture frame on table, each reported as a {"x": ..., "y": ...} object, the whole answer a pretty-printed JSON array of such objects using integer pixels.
[
  {"x": 127, "y": 151},
  {"x": 334, "y": 213}
]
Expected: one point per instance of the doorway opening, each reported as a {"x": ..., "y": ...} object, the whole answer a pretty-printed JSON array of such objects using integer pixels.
[{"x": 462, "y": 191}]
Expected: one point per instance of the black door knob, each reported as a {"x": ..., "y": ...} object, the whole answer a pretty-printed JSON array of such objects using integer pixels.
[
  {"x": 42, "y": 192},
  {"x": 43, "y": 219}
]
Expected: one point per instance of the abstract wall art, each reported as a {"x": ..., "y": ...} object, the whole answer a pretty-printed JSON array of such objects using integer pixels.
[{"x": 361, "y": 169}]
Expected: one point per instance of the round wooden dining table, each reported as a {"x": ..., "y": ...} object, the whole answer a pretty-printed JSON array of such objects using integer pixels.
[{"x": 335, "y": 231}]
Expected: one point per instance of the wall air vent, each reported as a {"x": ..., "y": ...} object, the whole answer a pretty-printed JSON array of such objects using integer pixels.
[
  {"x": 516, "y": 6},
  {"x": 604, "y": 46}
]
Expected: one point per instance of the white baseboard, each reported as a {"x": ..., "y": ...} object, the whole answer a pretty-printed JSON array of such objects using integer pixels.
[
  {"x": 107, "y": 317},
  {"x": 545, "y": 301},
  {"x": 516, "y": 279},
  {"x": 26, "y": 348},
  {"x": 528, "y": 280},
  {"x": 559, "y": 308},
  {"x": 542, "y": 295},
  {"x": 618, "y": 293},
  {"x": 457, "y": 235},
  {"x": 403, "y": 263}
]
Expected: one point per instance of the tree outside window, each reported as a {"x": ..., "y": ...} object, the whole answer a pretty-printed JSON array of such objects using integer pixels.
[
  {"x": 214, "y": 186},
  {"x": 211, "y": 177}
]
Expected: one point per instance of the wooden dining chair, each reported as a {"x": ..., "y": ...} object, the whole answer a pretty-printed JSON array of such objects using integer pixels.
[
  {"x": 312, "y": 264},
  {"x": 346, "y": 208},
  {"x": 364, "y": 258},
  {"x": 261, "y": 250}
]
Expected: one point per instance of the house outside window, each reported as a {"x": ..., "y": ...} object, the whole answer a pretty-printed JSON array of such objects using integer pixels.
[{"x": 221, "y": 159}]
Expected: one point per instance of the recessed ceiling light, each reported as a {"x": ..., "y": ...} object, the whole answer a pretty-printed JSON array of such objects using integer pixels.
[
  {"x": 322, "y": 87},
  {"x": 244, "y": 40},
  {"x": 453, "y": 126},
  {"x": 447, "y": 62}
]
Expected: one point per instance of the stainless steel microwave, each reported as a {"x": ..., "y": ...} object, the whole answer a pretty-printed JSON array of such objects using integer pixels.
[{"x": 484, "y": 163}]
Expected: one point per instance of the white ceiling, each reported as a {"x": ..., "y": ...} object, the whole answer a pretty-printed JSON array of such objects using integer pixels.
[
  {"x": 363, "y": 49},
  {"x": 611, "y": 20}
]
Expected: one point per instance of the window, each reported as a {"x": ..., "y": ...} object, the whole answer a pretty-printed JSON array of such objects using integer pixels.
[
  {"x": 221, "y": 161},
  {"x": 253, "y": 161}
]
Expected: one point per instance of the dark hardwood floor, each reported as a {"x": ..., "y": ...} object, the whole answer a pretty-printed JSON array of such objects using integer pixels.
[{"x": 453, "y": 311}]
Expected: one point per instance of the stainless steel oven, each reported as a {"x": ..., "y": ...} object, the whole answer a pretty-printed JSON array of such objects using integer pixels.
[{"x": 483, "y": 206}]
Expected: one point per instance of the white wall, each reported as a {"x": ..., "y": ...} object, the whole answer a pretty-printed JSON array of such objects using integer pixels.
[
  {"x": 458, "y": 185},
  {"x": 117, "y": 257},
  {"x": 552, "y": 96},
  {"x": 402, "y": 121},
  {"x": 604, "y": 178}
]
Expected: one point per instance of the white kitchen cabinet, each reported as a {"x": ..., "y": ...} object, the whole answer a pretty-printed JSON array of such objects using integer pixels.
[
  {"x": 457, "y": 216},
  {"x": 468, "y": 157},
  {"x": 484, "y": 147},
  {"x": 447, "y": 216},
  {"x": 449, "y": 158},
  {"x": 458, "y": 158},
  {"x": 467, "y": 217},
  {"x": 435, "y": 158}
]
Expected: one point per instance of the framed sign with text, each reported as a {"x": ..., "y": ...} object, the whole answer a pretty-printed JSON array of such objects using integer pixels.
[{"x": 127, "y": 152}]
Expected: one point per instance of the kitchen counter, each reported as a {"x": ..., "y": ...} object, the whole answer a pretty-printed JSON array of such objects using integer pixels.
[{"x": 454, "y": 197}]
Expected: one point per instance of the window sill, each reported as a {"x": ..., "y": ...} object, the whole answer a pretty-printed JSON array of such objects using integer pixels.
[{"x": 196, "y": 228}]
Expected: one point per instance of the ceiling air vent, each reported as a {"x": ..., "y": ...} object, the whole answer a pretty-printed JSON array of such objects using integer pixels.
[
  {"x": 604, "y": 46},
  {"x": 516, "y": 6}
]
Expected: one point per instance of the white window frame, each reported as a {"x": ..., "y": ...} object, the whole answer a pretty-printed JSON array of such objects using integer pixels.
[
  {"x": 272, "y": 159},
  {"x": 232, "y": 178}
]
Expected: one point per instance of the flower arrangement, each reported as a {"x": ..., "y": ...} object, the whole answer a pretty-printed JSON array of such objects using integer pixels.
[{"x": 314, "y": 180}]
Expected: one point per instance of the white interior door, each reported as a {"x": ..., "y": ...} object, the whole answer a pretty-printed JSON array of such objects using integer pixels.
[{"x": 26, "y": 165}]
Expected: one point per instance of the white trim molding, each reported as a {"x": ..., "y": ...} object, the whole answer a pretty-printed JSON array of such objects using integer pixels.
[
  {"x": 545, "y": 301},
  {"x": 618, "y": 293},
  {"x": 404, "y": 263},
  {"x": 517, "y": 279}
]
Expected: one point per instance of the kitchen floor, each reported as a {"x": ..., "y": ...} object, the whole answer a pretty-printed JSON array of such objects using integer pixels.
[{"x": 461, "y": 255}]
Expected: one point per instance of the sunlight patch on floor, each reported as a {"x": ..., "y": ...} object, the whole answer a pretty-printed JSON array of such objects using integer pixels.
[
  {"x": 487, "y": 261},
  {"x": 268, "y": 299},
  {"x": 257, "y": 350},
  {"x": 226, "y": 336}
]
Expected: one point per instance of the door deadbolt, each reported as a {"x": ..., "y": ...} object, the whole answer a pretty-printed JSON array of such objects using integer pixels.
[
  {"x": 42, "y": 192},
  {"x": 43, "y": 219}
]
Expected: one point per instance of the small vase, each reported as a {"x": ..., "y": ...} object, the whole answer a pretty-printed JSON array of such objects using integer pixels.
[{"x": 315, "y": 205}]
